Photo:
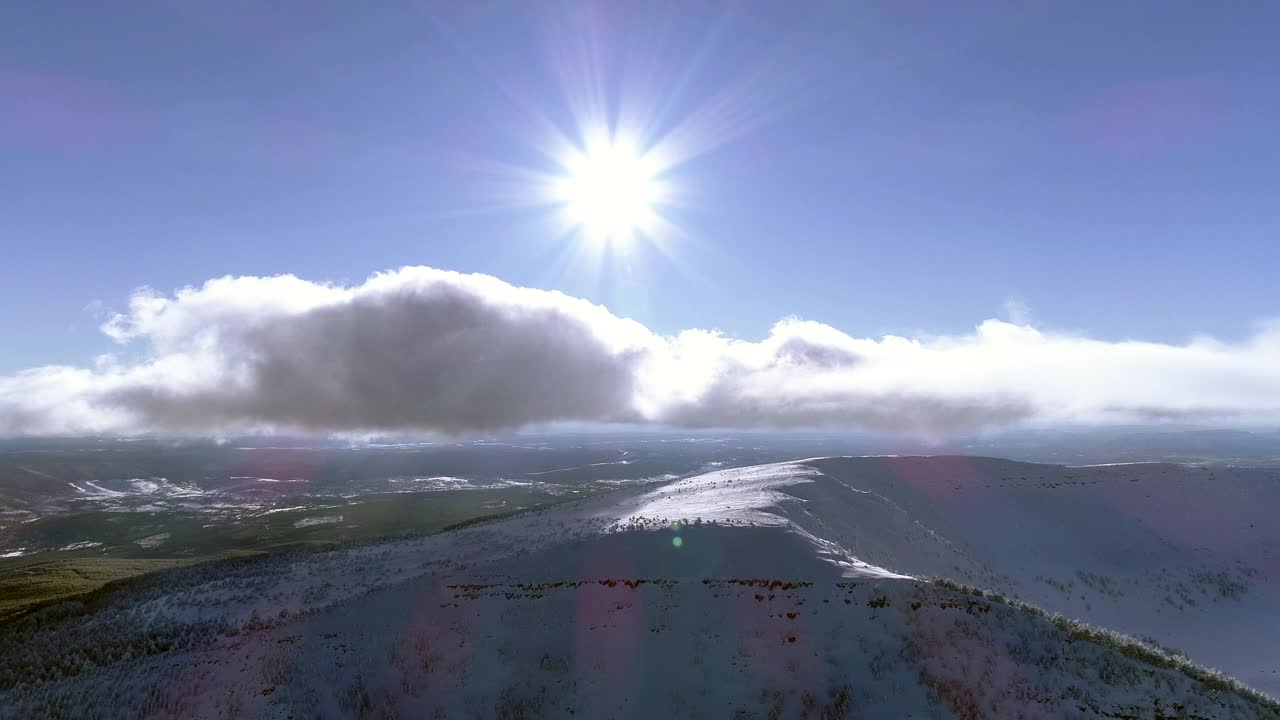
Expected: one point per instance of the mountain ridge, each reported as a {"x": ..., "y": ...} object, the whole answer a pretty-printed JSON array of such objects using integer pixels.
[{"x": 770, "y": 544}]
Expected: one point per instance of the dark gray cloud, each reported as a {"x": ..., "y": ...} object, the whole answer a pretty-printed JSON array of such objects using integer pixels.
[
  {"x": 441, "y": 357},
  {"x": 425, "y": 350}
]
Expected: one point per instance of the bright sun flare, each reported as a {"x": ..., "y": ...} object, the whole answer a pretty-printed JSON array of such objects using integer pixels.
[{"x": 609, "y": 191}]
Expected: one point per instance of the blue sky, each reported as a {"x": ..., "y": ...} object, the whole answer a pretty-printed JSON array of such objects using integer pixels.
[{"x": 895, "y": 167}]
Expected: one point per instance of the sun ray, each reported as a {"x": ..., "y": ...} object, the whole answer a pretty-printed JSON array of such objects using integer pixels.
[
  {"x": 609, "y": 189},
  {"x": 609, "y": 168}
]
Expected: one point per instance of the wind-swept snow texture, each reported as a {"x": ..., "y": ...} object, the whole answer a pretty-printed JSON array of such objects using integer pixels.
[{"x": 768, "y": 592}]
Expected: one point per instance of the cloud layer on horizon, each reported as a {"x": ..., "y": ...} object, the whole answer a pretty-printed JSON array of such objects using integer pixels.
[{"x": 420, "y": 349}]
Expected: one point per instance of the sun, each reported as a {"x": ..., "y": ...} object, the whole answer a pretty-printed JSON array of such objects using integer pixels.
[{"x": 609, "y": 190}]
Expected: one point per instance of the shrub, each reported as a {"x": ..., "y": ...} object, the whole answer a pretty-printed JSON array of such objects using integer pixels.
[{"x": 1151, "y": 654}]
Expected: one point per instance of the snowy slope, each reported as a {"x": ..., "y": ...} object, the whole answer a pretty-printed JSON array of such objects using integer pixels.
[
  {"x": 778, "y": 594},
  {"x": 1186, "y": 555}
]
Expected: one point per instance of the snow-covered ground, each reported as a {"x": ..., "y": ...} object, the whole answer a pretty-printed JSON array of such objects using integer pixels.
[
  {"x": 1185, "y": 555},
  {"x": 783, "y": 590}
]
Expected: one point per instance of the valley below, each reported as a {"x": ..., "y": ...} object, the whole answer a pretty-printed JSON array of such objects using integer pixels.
[{"x": 945, "y": 586}]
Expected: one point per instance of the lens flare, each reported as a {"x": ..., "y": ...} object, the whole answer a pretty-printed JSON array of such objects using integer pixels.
[{"x": 609, "y": 191}]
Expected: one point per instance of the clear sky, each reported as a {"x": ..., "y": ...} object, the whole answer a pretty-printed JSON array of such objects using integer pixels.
[
  {"x": 882, "y": 167},
  {"x": 897, "y": 166}
]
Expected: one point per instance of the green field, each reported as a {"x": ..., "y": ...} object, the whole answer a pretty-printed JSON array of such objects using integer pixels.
[
  {"x": 25, "y": 584},
  {"x": 130, "y": 546}
]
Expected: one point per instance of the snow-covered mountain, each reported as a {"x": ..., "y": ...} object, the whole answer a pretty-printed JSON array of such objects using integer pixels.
[
  {"x": 1185, "y": 555},
  {"x": 784, "y": 590}
]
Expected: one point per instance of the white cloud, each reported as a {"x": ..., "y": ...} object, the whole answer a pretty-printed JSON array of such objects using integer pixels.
[{"x": 423, "y": 349}]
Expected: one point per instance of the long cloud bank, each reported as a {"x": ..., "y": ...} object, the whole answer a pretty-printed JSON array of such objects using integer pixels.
[{"x": 420, "y": 349}]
